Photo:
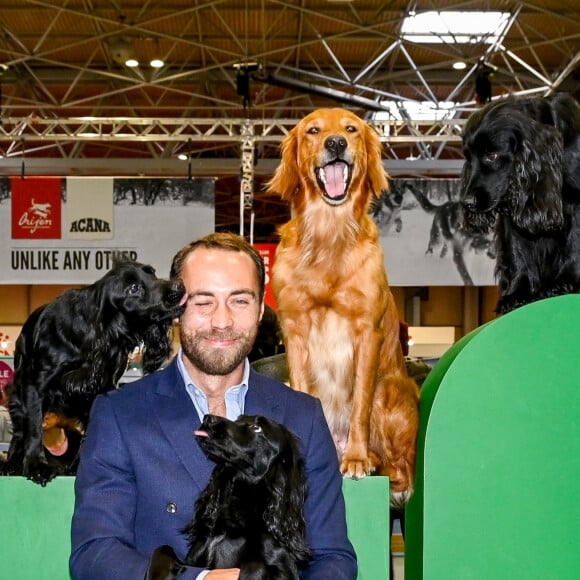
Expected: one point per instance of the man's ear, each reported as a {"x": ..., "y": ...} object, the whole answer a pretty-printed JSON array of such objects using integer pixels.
[{"x": 261, "y": 311}]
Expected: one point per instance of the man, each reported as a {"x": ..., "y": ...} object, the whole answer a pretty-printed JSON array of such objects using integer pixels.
[{"x": 141, "y": 469}]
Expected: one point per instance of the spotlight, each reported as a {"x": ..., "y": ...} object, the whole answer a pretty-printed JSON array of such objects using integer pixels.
[
  {"x": 121, "y": 50},
  {"x": 243, "y": 80},
  {"x": 483, "y": 87}
]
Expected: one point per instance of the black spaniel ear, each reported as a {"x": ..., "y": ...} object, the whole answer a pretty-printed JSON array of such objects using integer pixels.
[
  {"x": 156, "y": 346},
  {"x": 536, "y": 186},
  {"x": 284, "y": 516}
]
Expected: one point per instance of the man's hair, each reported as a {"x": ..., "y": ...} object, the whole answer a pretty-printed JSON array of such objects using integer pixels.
[{"x": 222, "y": 241}]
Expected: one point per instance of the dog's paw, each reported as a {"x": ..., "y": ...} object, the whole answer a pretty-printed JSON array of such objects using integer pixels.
[
  {"x": 39, "y": 472},
  {"x": 357, "y": 468},
  {"x": 164, "y": 565}
]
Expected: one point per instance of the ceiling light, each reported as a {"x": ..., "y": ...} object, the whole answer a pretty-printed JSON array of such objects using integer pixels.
[
  {"x": 416, "y": 110},
  {"x": 459, "y": 65},
  {"x": 454, "y": 26},
  {"x": 156, "y": 63},
  {"x": 182, "y": 157},
  {"x": 131, "y": 62}
]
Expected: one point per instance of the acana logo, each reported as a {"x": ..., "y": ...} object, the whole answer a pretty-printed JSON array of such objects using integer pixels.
[{"x": 90, "y": 225}]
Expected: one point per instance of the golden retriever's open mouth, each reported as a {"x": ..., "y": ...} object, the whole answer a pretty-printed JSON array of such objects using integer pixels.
[{"x": 334, "y": 179}]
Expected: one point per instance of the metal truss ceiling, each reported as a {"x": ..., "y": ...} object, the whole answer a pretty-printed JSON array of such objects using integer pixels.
[{"x": 61, "y": 62}]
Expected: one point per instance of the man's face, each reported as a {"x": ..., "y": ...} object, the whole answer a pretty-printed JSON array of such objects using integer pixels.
[{"x": 220, "y": 322}]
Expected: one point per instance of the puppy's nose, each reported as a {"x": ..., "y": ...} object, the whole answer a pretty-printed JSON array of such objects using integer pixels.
[
  {"x": 335, "y": 144},
  {"x": 210, "y": 420}
]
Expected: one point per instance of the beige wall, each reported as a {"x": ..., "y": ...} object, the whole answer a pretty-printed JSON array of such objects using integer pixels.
[
  {"x": 18, "y": 301},
  {"x": 461, "y": 307}
]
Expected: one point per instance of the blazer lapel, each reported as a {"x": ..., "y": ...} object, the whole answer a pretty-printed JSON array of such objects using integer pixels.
[
  {"x": 178, "y": 420},
  {"x": 260, "y": 399}
]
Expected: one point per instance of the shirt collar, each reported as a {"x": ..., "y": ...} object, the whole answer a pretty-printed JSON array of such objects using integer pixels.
[
  {"x": 187, "y": 379},
  {"x": 235, "y": 396}
]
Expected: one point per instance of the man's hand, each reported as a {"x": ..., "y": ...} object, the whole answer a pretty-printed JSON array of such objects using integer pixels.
[{"x": 225, "y": 574}]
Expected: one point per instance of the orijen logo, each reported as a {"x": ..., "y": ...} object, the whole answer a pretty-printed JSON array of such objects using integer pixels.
[{"x": 36, "y": 217}]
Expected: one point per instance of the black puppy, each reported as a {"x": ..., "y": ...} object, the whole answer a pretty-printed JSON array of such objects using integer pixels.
[
  {"x": 521, "y": 178},
  {"x": 251, "y": 514},
  {"x": 76, "y": 347}
]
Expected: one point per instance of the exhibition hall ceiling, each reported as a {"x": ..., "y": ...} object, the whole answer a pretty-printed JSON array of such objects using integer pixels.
[{"x": 70, "y": 104}]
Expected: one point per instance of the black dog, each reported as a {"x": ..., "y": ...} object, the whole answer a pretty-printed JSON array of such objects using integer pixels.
[
  {"x": 76, "y": 347},
  {"x": 251, "y": 514},
  {"x": 521, "y": 178}
]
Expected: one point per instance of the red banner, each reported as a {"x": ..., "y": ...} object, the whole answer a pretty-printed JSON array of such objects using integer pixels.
[
  {"x": 268, "y": 253},
  {"x": 6, "y": 377},
  {"x": 36, "y": 208}
]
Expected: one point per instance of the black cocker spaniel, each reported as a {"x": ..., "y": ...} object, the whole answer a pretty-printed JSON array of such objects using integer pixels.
[
  {"x": 77, "y": 347},
  {"x": 521, "y": 178},
  {"x": 251, "y": 514}
]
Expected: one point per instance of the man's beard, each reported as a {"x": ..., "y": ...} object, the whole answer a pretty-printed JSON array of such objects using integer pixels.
[{"x": 217, "y": 361}]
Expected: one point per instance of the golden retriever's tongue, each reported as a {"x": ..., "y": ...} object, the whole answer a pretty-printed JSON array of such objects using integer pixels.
[{"x": 334, "y": 179}]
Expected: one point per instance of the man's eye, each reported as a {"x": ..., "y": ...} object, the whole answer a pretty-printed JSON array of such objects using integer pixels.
[{"x": 240, "y": 302}]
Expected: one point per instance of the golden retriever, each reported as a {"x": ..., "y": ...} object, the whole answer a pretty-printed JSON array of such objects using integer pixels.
[{"x": 338, "y": 316}]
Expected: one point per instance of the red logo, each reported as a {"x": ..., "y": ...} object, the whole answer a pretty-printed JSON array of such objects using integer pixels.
[{"x": 36, "y": 208}]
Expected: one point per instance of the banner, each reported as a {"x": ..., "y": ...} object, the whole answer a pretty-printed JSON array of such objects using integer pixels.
[
  {"x": 423, "y": 238},
  {"x": 423, "y": 241},
  {"x": 153, "y": 219},
  {"x": 36, "y": 208},
  {"x": 268, "y": 253},
  {"x": 89, "y": 208}
]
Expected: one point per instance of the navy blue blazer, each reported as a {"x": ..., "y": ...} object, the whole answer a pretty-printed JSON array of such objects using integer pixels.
[{"x": 141, "y": 471}]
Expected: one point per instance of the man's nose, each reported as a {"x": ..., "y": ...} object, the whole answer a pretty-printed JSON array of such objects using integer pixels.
[{"x": 222, "y": 316}]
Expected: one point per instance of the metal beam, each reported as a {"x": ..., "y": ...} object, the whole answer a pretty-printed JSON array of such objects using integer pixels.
[
  {"x": 199, "y": 167},
  {"x": 156, "y": 129}
]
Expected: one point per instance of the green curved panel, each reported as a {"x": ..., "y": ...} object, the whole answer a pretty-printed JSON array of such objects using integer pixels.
[
  {"x": 367, "y": 517},
  {"x": 35, "y": 542},
  {"x": 497, "y": 491},
  {"x": 36, "y": 520}
]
